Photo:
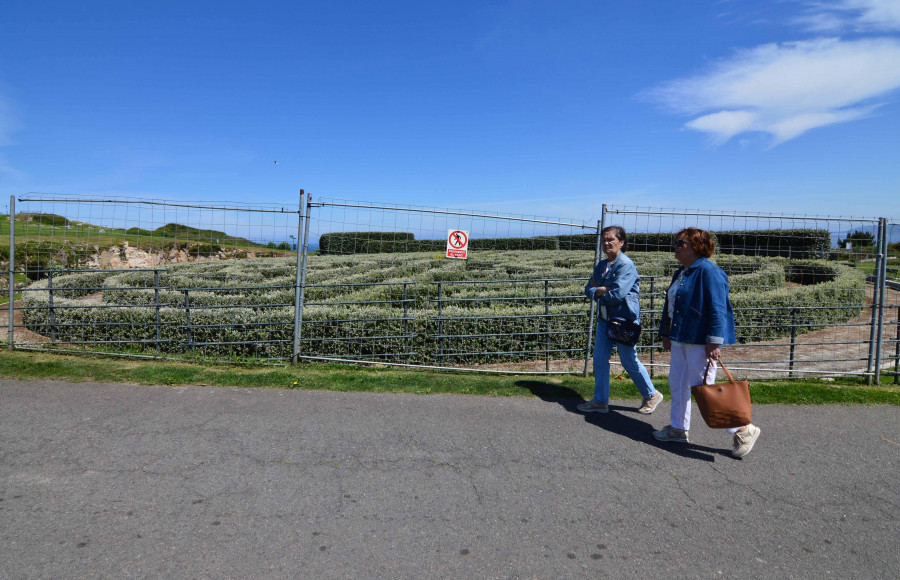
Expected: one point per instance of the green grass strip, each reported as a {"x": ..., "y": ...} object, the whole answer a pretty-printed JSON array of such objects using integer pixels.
[{"x": 25, "y": 365}]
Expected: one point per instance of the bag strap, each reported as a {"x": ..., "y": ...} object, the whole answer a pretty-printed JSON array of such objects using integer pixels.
[
  {"x": 721, "y": 364},
  {"x": 727, "y": 372}
]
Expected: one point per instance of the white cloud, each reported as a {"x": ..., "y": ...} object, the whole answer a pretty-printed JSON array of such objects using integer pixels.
[
  {"x": 787, "y": 89},
  {"x": 724, "y": 125},
  {"x": 858, "y": 15}
]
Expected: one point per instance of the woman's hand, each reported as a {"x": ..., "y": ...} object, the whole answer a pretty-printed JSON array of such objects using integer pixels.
[
  {"x": 713, "y": 351},
  {"x": 667, "y": 344},
  {"x": 600, "y": 291}
]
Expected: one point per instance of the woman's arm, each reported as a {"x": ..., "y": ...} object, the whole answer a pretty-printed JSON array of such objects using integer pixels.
[
  {"x": 590, "y": 290},
  {"x": 664, "y": 322},
  {"x": 715, "y": 283},
  {"x": 625, "y": 275}
]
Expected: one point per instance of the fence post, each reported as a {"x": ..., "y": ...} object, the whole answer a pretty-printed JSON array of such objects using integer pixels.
[
  {"x": 881, "y": 280},
  {"x": 300, "y": 277},
  {"x": 156, "y": 304},
  {"x": 547, "y": 324},
  {"x": 10, "y": 307},
  {"x": 50, "y": 305},
  {"x": 876, "y": 298},
  {"x": 590, "y": 328},
  {"x": 793, "y": 339},
  {"x": 652, "y": 322},
  {"x": 187, "y": 322},
  {"x": 440, "y": 322},
  {"x": 897, "y": 348},
  {"x": 405, "y": 323}
]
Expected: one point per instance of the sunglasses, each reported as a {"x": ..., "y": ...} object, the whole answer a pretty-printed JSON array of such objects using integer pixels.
[{"x": 679, "y": 243}]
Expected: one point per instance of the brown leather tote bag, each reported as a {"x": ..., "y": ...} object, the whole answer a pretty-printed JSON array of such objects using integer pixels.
[{"x": 723, "y": 405}]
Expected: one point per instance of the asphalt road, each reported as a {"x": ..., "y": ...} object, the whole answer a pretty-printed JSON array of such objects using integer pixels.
[{"x": 119, "y": 481}]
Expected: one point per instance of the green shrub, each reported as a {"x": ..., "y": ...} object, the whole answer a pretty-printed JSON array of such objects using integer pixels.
[
  {"x": 35, "y": 258},
  {"x": 48, "y": 219},
  {"x": 795, "y": 243},
  {"x": 354, "y": 242},
  {"x": 494, "y": 308},
  {"x": 859, "y": 239}
]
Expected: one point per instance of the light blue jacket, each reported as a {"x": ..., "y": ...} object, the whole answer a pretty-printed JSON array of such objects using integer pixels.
[
  {"x": 624, "y": 286},
  {"x": 703, "y": 312}
]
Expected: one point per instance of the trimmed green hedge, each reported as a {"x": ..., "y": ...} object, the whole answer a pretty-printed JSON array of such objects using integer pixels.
[
  {"x": 396, "y": 242},
  {"x": 637, "y": 242},
  {"x": 355, "y": 242},
  {"x": 830, "y": 294},
  {"x": 796, "y": 243},
  {"x": 37, "y": 256},
  {"x": 502, "y": 313},
  {"x": 49, "y": 219}
]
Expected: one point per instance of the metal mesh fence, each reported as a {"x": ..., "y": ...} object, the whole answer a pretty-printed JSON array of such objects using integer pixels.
[
  {"x": 335, "y": 279},
  {"x": 889, "y": 338},
  {"x": 801, "y": 301},
  {"x": 151, "y": 277},
  {"x": 514, "y": 301}
]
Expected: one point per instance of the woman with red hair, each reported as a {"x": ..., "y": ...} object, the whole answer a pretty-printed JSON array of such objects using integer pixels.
[{"x": 697, "y": 320}]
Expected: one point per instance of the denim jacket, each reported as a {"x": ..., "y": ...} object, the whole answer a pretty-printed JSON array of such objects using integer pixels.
[
  {"x": 624, "y": 285},
  {"x": 703, "y": 312}
]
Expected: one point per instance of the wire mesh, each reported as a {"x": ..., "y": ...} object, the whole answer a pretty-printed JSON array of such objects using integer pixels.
[
  {"x": 384, "y": 283},
  {"x": 799, "y": 291},
  {"x": 515, "y": 299}
]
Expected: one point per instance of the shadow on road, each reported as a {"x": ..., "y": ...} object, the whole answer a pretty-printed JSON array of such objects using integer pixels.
[{"x": 619, "y": 420}]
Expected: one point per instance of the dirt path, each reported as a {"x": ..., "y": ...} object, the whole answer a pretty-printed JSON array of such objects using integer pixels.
[{"x": 20, "y": 333}]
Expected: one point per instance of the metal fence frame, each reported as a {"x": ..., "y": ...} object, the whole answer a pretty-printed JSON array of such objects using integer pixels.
[
  {"x": 879, "y": 345},
  {"x": 876, "y": 340}
]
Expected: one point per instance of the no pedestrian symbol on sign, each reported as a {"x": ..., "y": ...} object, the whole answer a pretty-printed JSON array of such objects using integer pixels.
[{"x": 457, "y": 244}]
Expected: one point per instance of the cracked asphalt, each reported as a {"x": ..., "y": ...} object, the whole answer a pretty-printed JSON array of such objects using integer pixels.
[{"x": 123, "y": 481}]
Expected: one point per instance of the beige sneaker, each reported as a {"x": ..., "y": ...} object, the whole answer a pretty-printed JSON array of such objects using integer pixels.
[
  {"x": 745, "y": 440},
  {"x": 669, "y": 433},
  {"x": 593, "y": 407},
  {"x": 650, "y": 405}
]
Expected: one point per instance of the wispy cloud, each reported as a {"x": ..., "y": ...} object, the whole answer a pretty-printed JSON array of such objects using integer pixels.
[
  {"x": 786, "y": 89},
  {"x": 855, "y": 15}
]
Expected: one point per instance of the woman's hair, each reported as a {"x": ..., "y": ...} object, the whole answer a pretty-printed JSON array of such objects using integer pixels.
[
  {"x": 619, "y": 232},
  {"x": 700, "y": 241}
]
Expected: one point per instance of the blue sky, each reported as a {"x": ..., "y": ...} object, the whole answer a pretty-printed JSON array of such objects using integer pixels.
[{"x": 525, "y": 107}]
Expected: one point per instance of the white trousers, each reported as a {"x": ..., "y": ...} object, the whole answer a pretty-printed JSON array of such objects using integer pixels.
[{"x": 687, "y": 369}]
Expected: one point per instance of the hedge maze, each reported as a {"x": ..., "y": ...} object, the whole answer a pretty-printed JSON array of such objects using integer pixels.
[{"x": 418, "y": 307}]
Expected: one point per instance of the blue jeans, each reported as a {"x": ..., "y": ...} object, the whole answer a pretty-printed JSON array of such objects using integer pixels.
[{"x": 602, "y": 351}]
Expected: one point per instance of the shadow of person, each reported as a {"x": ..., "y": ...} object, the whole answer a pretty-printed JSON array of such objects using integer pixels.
[{"x": 620, "y": 420}]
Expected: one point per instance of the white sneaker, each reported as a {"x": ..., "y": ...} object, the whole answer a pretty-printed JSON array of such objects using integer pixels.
[
  {"x": 650, "y": 405},
  {"x": 669, "y": 433},
  {"x": 745, "y": 440}
]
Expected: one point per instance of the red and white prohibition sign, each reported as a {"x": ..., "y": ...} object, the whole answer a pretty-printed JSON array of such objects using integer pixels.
[{"x": 457, "y": 244}]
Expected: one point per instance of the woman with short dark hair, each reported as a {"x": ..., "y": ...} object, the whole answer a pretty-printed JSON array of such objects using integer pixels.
[{"x": 615, "y": 286}]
